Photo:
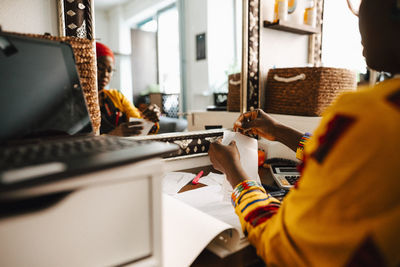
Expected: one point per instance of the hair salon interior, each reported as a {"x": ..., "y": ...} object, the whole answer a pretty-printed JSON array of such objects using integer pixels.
[{"x": 202, "y": 63}]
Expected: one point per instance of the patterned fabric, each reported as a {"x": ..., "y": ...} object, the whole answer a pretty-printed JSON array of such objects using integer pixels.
[
  {"x": 346, "y": 210},
  {"x": 246, "y": 185},
  {"x": 190, "y": 143},
  {"x": 252, "y": 204},
  {"x": 122, "y": 103},
  {"x": 336, "y": 128},
  {"x": 300, "y": 148},
  {"x": 367, "y": 254},
  {"x": 395, "y": 99}
]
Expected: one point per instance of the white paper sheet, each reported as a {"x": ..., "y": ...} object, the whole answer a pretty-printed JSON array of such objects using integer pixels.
[
  {"x": 248, "y": 152},
  {"x": 209, "y": 199},
  {"x": 145, "y": 124},
  {"x": 172, "y": 182},
  {"x": 187, "y": 231},
  {"x": 248, "y": 158}
]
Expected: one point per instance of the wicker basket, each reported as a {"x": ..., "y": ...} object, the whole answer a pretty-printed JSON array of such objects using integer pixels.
[
  {"x": 85, "y": 58},
  {"x": 305, "y": 91},
  {"x": 234, "y": 92}
]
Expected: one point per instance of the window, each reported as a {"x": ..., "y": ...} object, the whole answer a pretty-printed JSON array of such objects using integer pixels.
[
  {"x": 168, "y": 51},
  {"x": 165, "y": 23},
  {"x": 341, "y": 41}
]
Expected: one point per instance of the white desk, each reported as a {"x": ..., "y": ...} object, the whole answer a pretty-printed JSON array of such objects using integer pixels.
[{"x": 112, "y": 217}]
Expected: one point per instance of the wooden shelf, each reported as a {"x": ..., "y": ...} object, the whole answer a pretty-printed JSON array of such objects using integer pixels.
[{"x": 290, "y": 27}]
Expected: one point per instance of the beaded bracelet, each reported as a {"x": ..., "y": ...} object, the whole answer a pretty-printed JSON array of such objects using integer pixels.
[
  {"x": 300, "y": 147},
  {"x": 248, "y": 184}
]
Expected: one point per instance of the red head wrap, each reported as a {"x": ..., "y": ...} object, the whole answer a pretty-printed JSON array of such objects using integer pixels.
[{"x": 103, "y": 50}]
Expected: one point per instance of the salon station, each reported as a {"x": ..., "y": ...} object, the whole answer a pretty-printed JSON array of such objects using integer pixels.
[{"x": 202, "y": 63}]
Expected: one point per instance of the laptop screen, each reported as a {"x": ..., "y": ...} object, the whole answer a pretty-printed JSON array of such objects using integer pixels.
[{"x": 40, "y": 91}]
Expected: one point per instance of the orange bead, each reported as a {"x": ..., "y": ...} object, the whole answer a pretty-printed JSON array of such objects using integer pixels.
[{"x": 261, "y": 157}]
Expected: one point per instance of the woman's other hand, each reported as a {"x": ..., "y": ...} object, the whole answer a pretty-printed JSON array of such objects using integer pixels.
[
  {"x": 226, "y": 159},
  {"x": 152, "y": 113},
  {"x": 257, "y": 122},
  {"x": 128, "y": 129}
]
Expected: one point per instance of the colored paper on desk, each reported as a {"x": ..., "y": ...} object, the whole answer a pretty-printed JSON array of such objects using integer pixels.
[
  {"x": 173, "y": 182},
  {"x": 147, "y": 125},
  {"x": 248, "y": 150}
]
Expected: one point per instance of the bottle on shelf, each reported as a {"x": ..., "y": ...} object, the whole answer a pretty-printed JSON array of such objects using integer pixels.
[
  {"x": 297, "y": 16},
  {"x": 282, "y": 13},
  {"x": 268, "y": 10},
  {"x": 310, "y": 13}
]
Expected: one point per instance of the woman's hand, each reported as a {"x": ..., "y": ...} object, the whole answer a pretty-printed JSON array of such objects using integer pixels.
[
  {"x": 260, "y": 123},
  {"x": 257, "y": 122},
  {"x": 152, "y": 113},
  {"x": 226, "y": 159},
  {"x": 127, "y": 129}
]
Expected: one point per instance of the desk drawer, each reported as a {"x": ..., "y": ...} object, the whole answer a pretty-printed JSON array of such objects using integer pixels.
[{"x": 104, "y": 225}]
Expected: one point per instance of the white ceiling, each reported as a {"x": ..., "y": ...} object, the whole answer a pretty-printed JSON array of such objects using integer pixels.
[{"x": 106, "y": 4}]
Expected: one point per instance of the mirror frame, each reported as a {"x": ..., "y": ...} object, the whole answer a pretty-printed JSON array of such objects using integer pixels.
[
  {"x": 251, "y": 80},
  {"x": 250, "y": 74},
  {"x": 69, "y": 11}
]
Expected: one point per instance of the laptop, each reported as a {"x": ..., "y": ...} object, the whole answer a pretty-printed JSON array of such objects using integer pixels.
[{"x": 46, "y": 133}]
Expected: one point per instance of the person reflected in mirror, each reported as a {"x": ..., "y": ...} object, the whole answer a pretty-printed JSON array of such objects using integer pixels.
[
  {"x": 345, "y": 209},
  {"x": 115, "y": 108},
  {"x": 167, "y": 124}
]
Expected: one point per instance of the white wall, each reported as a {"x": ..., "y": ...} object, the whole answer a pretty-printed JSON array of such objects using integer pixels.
[
  {"x": 112, "y": 30},
  {"x": 221, "y": 43},
  {"x": 341, "y": 42},
  {"x": 198, "y": 94},
  {"x": 138, "y": 10},
  {"x": 102, "y": 26},
  {"x": 281, "y": 50},
  {"x": 29, "y": 16}
]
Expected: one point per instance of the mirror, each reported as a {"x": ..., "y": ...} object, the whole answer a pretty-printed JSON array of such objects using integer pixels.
[
  {"x": 261, "y": 45},
  {"x": 177, "y": 54}
]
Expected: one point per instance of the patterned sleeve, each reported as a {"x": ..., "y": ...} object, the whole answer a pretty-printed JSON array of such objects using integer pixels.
[
  {"x": 125, "y": 105},
  {"x": 300, "y": 148},
  {"x": 131, "y": 111},
  {"x": 129, "y": 108},
  {"x": 155, "y": 128},
  {"x": 254, "y": 207}
]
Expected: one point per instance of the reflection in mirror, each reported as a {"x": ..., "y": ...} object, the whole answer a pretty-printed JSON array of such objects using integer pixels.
[{"x": 157, "y": 46}]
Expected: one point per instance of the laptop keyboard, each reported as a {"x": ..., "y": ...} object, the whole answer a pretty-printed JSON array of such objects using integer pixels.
[{"x": 28, "y": 154}]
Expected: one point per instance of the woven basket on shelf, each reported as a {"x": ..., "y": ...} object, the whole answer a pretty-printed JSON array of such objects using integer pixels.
[
  {"x": 305, "y": 91},
  {"x": 233, "y": 103},
  {"x": 85, "y": 58}
]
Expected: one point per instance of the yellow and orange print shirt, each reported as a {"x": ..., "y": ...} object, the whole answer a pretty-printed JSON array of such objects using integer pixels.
[{"x": 345, "y": 210}]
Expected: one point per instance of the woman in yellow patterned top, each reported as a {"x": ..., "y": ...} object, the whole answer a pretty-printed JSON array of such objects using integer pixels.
[
  {"x": 115, "y": 108},
  {"x": 345, "y": 209}
]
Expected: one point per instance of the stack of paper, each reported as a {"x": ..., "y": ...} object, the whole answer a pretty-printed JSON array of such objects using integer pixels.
[{"x": 204, "y": 217}]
